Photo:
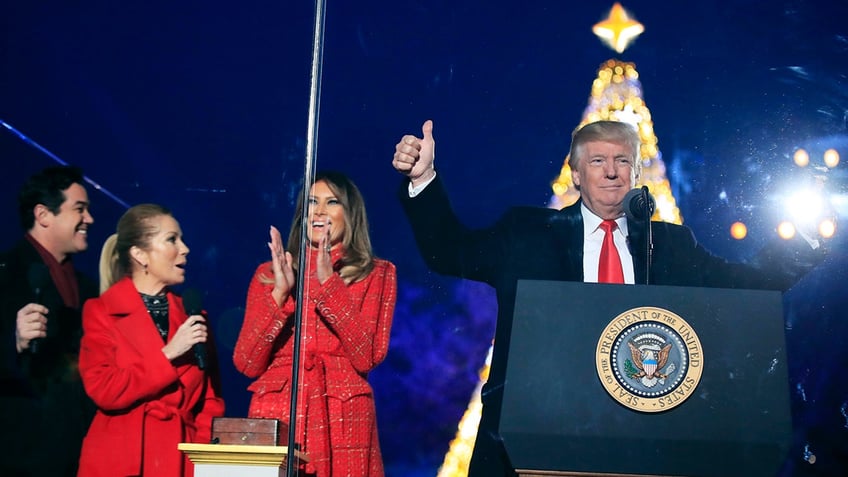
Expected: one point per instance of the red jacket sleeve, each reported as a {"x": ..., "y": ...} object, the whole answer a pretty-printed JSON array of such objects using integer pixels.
[{"x": 263, "y": 321}]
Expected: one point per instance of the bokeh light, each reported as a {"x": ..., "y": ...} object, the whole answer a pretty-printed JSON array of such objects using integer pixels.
[
  {"x": 801, "y": 158},
  {"x": 738, "y": 230},
  {"x": 786, "y": 230},
  {"x": 831, "y": 158},
  {"x": 827, "y": 228},
  {"x": 805, "y": 206}
]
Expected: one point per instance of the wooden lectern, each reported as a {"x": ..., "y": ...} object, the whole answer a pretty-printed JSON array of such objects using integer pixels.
[
  {"x": 229, "y": 460},
  {"x": 242, "y": 447}
]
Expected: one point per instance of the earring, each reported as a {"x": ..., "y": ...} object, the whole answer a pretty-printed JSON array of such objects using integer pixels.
[{"x": 145, "y": 269}]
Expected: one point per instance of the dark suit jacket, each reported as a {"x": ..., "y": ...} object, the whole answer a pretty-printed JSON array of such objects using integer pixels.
[
  {"x": 43, "y": 406},
  {"x": 547, "y": 244}
]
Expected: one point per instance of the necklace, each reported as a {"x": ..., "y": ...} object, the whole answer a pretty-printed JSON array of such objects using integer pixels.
[{"x": 157, "y": 307}]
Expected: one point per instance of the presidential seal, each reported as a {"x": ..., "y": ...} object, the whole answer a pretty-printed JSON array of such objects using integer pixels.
[{"x": 649, "y": 359}]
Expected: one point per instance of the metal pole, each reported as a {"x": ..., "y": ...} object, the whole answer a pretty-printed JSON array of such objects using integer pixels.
[{"x": 308, "y": 173}]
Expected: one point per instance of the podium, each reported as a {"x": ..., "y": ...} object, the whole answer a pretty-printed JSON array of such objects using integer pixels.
[
  {"x": 231, "y": 460},
  {"x": 636, "y": 380}
]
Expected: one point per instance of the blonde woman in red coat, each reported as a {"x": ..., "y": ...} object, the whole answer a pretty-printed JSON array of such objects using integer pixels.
[
  {"x": 349, "y": 300},
  {"x": 136, "y": 358}
]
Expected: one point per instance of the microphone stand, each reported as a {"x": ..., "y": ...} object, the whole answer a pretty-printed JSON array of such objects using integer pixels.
[
  {"x": 308, "y": 174},
  {"x": 649, "y": 242}
]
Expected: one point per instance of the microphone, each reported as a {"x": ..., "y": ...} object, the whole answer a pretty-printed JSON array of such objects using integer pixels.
[
  {"x": 193, "y": 304},
  {"x": 639, "y": 204},
  {"x": 38, "y": 276}
]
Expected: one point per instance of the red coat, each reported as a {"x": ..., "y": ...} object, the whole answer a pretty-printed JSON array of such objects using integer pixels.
[
  {"x": 146, "y": 404},
  {"x": 345, "y": 334}
]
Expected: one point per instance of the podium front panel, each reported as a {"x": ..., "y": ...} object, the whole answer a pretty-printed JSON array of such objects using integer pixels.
[{"x": 557, "y": 415}]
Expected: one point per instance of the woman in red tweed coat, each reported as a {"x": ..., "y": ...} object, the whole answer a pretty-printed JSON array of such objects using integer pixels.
[
  {"x": 346, "y": 319},
  {"x": 135, "y": 358}
]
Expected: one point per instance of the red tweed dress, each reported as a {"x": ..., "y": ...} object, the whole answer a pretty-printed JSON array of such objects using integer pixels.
[{"x": 345, "y": 334}]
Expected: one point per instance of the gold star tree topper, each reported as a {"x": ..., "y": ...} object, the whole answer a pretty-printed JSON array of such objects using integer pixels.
[{"x": 618, "y": 30}]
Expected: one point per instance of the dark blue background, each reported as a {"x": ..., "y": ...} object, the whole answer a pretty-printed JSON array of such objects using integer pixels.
[{"x": 202, "y": 106}]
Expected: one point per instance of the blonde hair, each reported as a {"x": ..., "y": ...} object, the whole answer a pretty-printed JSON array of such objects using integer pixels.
[
  {"x": 134, "y": 230},
  {"x": 108, "y": 257}
]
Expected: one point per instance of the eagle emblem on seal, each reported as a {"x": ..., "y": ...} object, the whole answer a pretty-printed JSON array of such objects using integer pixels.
[{"x": 649, "y": 361}]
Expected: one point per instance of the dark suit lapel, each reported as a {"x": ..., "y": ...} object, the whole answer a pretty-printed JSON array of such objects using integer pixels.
[
  {"x": 636, "y": 243},
  {"x": 568, "y": 230}
]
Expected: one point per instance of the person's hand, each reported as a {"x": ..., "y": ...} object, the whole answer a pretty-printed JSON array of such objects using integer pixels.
[
  {"x": 281, "y": 264},
  {"x": 191, "y": 332},
  {"x": 324, "y": 267},
  {"x": 31, "y": 323},
  {"x": 414, "y": 156}
]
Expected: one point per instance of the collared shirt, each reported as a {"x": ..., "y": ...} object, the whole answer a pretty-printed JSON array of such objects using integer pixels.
[
  {"x": 413, "y": 191},
  {"x": 593, "y": 238},
  {"x": 62, "y": 274}
]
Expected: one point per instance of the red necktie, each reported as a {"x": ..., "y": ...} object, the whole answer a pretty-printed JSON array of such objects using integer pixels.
[{"x": 609, "y": 267}]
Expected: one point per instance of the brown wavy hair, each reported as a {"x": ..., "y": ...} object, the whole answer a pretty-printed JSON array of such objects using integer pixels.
[{"x": 358, "y": 260}]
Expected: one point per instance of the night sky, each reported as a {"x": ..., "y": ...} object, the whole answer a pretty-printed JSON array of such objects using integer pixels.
[{"x": 203, "y": 107}]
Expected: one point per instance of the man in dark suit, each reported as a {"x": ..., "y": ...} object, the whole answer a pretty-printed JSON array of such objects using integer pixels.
[
  {"x": 546, "y": 244},
  {"x": 44, "y": 411}
]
